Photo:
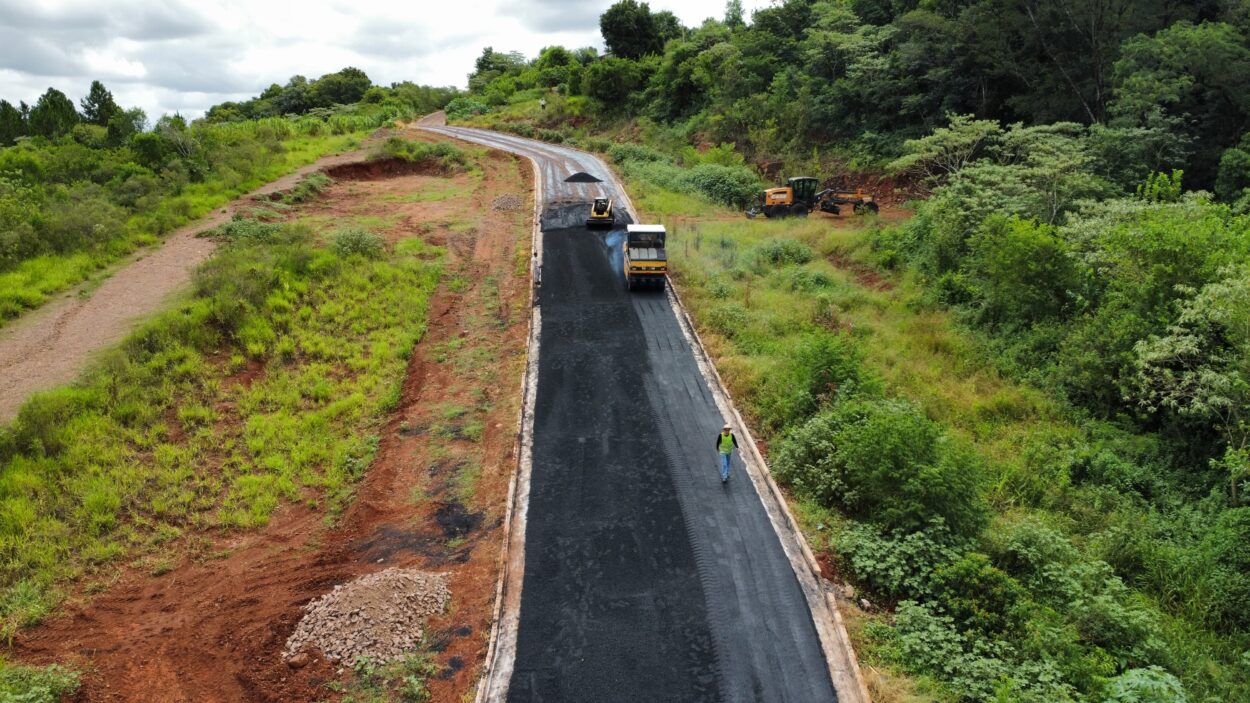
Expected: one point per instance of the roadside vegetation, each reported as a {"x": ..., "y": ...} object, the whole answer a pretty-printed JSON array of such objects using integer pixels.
[
  {"x": 80, "y": 188},
  {"x": 1017, "y": 420},
  {"x": 266, "y": 385}
]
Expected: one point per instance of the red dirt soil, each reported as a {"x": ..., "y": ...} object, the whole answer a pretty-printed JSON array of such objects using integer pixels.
[{"x": 213, "y": 629}]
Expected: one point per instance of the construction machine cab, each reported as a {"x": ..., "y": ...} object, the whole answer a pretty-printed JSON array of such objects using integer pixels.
[
  {"x": 601, "y": 206},
  {"x": 804, "y": 188}
]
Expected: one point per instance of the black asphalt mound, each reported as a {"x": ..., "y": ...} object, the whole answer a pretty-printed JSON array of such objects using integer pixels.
[{"x": 581, "y": 177}]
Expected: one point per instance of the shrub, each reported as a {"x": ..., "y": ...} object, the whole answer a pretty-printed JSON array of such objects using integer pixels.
[
  {"x": 24, "y": 684},
  {"x": 446, "y": 154},
  {"x": 309, "y": 187},
  {"x": 1226, "y": 549},
  {"x": 822, "y": 367},
  {"x": 882, "y": 461},
  {"x": 465, "y": 106},
  {"x": 351, "y": 242},
  {"x": 783, "y": 252},
  {"x": 1090, "y": 596},
  {"x": 974, "y": 668},
  {"x": 729, "y": 185},
  {"x": 897, "y": 564},
  {"x": 977, "y": 595},
  {"x": 1148, "y": 685},
  {"x": 620, "y": 153},
  {"x": 244, "y": 230}
]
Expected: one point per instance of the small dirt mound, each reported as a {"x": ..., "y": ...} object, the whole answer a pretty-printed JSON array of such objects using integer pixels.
[
  {"x": 379, "y": 616},
  {"x": 507, "y": 202},
  {"x": 384, "y": 168},
  {"x": 581, "y": 177}
]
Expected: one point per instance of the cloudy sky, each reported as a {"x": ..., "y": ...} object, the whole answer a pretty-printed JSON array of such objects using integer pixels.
[{"x": 182, "y": 56}]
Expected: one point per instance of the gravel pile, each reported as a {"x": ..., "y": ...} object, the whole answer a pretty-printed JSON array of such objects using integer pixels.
[
  {"x": 377, "y": 616},
  {"x": 508, "y": 202}
]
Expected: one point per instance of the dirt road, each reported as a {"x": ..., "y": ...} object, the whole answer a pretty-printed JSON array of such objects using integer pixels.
[
  {"x": 644, "y": 578},
  {"x": 52, "y": 345}
]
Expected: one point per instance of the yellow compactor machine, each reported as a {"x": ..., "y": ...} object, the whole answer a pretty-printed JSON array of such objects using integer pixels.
[{"x": 646, "y": 262}]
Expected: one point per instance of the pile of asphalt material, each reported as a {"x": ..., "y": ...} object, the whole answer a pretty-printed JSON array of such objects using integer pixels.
[
  {"x": 379, "y": 616},
  {"x": 581, "y": 177}
]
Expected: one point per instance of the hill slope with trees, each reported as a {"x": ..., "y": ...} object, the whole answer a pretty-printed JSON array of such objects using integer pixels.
[{"x": 1086, "y": 178}]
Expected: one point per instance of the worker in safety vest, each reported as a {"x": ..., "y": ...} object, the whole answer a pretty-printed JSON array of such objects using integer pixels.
[{"x": 726, "y": 443}]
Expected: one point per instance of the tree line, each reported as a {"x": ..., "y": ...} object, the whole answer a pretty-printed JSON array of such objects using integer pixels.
[{"x": 860, "y": 76}]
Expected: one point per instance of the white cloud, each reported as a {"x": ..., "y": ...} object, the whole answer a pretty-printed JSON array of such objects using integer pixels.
[{"x": 185, "y": 55}]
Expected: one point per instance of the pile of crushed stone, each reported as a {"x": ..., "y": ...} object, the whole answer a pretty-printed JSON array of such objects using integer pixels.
[
  {"x": 507, "y": 202},
  {"x": 379, "y": 616}
]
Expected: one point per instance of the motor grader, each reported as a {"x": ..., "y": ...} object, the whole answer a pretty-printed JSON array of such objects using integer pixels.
[{"x": 798, "y": 197}]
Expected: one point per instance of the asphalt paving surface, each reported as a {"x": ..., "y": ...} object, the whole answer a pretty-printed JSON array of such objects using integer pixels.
[{"x": 646, "y": 578}]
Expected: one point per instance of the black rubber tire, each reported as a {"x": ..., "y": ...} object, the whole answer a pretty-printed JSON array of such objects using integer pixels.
[
  {"x": 799, "y": 211},
  {"x": 874, "y": 208}
]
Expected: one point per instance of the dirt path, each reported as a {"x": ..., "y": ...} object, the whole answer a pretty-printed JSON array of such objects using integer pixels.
[
  {"x": 50, "y": 346},
  {"x": 213, "y": 629}
]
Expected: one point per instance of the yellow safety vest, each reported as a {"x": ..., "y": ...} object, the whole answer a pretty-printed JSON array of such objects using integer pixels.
[{"x": 727, "y": 443}]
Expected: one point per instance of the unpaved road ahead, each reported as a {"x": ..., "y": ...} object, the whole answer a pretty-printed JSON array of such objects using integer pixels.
[
  {"x": 644, "y": 578},
  {"x": 50, "y": 346}
]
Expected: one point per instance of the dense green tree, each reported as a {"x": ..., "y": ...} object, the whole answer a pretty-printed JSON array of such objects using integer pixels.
[
  {"x": 125, "y": 124},
  {"x": 12, "y": 123},
  {"x": 1190, "y": 80},
  {"x": 98, "y": 106},
  {"x": 629, "y": 30},
  {"x": 612, "y": 80},
  {"x": 341, "y": 88},
  {"x": 53, "y": 115},
  {"x": 734, "y": 16}
]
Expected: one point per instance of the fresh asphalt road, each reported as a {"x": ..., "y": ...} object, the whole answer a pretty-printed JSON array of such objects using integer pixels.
[{"x": 645, "y": 578}]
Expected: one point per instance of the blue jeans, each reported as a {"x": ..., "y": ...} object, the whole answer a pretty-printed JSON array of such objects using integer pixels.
[{"x": 724, "y": 466}]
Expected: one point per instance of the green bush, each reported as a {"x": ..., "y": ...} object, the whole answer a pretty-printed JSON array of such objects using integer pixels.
[
  {"x": 309, "y": 187},
  {"x": 823, "y": 367},
  {"x": 1091, "y": 597},
  {"x": 882, "y": 461},
  {"x": 465, "y": 106},
  {"x": 898, "y": 564},
  {"x": 24, "y": 684},
  {"x": 783, "y": 252},
  {"x": 1149, "y": 685},
  {"x": 358, "y": 242},
  {"x": 621, "y": 153},
  {"x": 446, "y": 154},
  {"x": 978, "y": 596}
]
